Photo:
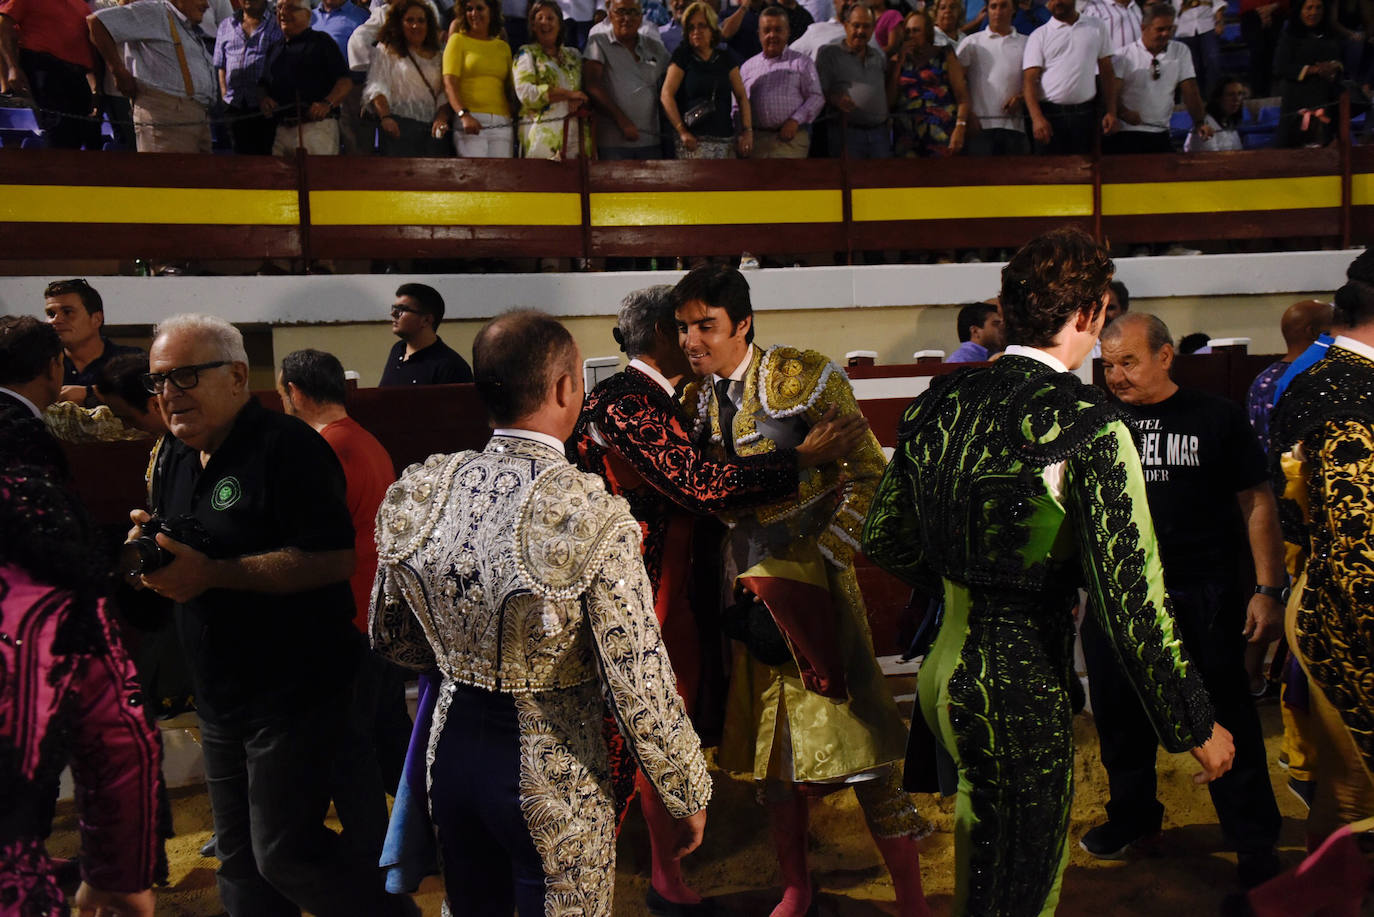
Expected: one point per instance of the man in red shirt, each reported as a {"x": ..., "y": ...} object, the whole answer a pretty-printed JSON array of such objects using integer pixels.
[
  {"x": 311, "y": 384},
  {"x": 45, "y": 51}
]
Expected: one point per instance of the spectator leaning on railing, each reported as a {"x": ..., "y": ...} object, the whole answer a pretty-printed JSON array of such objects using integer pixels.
[
  {"x": 926, "y": 90},
  {"x": 169, "y": 77},
  {"x": 784, "y": 91},
  {"x": 303, "y": 85},
  {"x": 244, "y": 44},
  {"x": 697, "y": 90},
  {"x": 1308, "y": 63},
  {"x": 44, "y": 51},
  {"x": 1224, "y": 109},
  {"x": 477, "y": 78},
  {"x": 623, "y": 71},
  {"x": 339, "y": 19},
  {"x": 405, "y": 83},
  {"x": 992, "y": 69},
  {"x": 853, "y": 77},
  {"x": 1061, "y": 67},
  {"x": 548, "y": 82},
  {"x": 1149, "y": 70}
]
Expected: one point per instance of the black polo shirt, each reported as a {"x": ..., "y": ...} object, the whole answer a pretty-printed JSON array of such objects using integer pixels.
[
  {"x": 273, "y": 483},
  {"x": 437, "y": 364},
  {"x": 304, "y": 69},
  {"x": 73, "y": 376}
]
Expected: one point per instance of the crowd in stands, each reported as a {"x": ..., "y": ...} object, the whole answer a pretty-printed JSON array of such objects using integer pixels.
[{"x": 705, "y": 79}]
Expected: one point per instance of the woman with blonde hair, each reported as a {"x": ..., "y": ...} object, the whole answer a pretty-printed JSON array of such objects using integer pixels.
[
  {"x": 405, "y": 83},
  {"x": 548, "y": 83},
  {"x": 697, "y": 91}
]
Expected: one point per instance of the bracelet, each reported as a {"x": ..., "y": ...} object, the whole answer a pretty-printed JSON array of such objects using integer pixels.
[{"x": 960, "y": 123}]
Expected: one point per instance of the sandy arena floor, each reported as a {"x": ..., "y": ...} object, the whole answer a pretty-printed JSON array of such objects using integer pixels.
[{"x": 1188, "y": 877}]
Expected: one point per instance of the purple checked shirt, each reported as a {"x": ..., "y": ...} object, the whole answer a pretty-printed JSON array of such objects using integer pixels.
[
  {"x": 243, "y": 59},
  {"x": 782, "y": 87}
]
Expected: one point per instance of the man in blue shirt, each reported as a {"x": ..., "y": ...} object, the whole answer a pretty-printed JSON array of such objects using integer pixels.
[
  {"x": 980, "y": 333},
  {"x": 338, "y": 19},
  {"x": 243, "y": 45}
]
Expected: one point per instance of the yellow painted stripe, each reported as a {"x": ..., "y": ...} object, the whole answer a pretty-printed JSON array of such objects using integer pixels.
[
  {"x": 1362, "y": 190},
  {"x": 1221, "y": 196},
  {"x": 444, "y": 208},
  {"x": 706, "y": 208},
  {"x": 972, "y": 202},
  {"x": 106, "y": 204}
]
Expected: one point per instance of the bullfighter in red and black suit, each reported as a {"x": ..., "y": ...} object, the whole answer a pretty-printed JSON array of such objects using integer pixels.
[{"x": 631, "y": 434}]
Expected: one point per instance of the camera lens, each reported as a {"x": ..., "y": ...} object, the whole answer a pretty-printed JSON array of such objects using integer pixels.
[{"x": 140, "y": 556}]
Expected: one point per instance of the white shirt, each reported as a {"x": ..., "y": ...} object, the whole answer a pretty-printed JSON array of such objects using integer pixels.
[
  {"x": 1141, "y": 92},
  {"x": 515, "y": 433},
  {"x": 26, "y": 402},
  {"x": 646, "y": 28},
  {"x": 1347, "y": 343},
  {"x": 364, "y": 37},
  {"x": 1068, "y": 54},
  {"x": 654, "y": 374},
  {"x": 1196, "y": 16},
  {"x": 820, "y": 10},
  {"x": 943, "y": 39},
  {"x": 992, "y": 68},
  {"x": 736, "y": 389},
  {"x": 1123, "y": 22},
  {"x": 1221, "y": 141}
]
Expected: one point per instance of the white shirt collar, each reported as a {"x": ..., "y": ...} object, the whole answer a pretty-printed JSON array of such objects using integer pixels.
[
  {"x": 1034, "y": 353},
  {"x": 1354, "y": 346},
  {"x": 534, "y": 435},
  {"x": 654, "y": 374},
  {"x": 740, "y": 370},
  {"x": 27, "y": 403}
]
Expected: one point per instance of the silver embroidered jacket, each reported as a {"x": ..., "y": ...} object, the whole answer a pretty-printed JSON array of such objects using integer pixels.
[{"x": 512, "y": 571}]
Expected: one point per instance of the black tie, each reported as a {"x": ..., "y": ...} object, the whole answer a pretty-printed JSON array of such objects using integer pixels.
[{"x": 727, "y": 415}]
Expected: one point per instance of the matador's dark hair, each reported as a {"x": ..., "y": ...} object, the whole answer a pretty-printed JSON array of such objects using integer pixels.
[
  {"x": 1048, "y": 281},
  {"x": 515, "y": 358},
  {"x": 720, "y": 287},
  {"x": 1355, "y": 301}
]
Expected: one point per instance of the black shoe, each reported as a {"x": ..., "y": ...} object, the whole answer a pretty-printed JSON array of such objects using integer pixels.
[
  {"x": 1303, "y": 789},
  {"x": 1110, "y": 840},
  {"x": 660, "y": 906},
  {"x": 1256, "y": 868},
  {"x": 208, "y": 848}
]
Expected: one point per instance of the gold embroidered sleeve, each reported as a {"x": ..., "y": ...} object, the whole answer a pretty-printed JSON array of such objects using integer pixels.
[
  {"x": 72, "y": 423},
  {"x": 638, "y": 679},
  {"x": 1346, "y": 469},
  {"x": 858, "y": 475}
]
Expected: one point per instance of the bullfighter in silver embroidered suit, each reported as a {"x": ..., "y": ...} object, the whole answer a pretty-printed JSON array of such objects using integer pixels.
[{"x": 521, "y": 579}]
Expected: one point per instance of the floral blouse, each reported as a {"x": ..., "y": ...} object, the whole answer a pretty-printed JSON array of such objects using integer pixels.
[{"x": 541, "y": 122}]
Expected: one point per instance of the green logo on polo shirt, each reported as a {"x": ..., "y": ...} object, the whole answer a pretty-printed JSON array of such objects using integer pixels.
[{"x": 227, "y": 493}]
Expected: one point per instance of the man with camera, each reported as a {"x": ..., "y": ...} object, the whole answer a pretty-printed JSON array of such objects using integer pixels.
[{"x": 251, "y": 537}]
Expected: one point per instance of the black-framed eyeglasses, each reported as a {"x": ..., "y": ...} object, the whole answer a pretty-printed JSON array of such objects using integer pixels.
[
  {"x": 1154, "y": 68},
  {"x": 398, "y": 310},
  {"x": 183, "y": 377}
]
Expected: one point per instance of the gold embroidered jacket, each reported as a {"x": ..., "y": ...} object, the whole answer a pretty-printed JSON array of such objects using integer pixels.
[
  {"x": 512, "y": 571},
  {"x": 784, "y": 385}
]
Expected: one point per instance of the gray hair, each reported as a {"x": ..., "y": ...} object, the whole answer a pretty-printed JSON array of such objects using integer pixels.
[
  {"x": 641, "y": 313},
  {"x": 227, "y": 339},
  {"x": 1156, "y": 332},
  {"x": 1157, "y": 10},
  {"x": 299, "y": 4}
]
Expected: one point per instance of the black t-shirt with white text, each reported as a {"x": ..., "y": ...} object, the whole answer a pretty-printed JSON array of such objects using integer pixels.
[{"x": 1197, "y": 451}]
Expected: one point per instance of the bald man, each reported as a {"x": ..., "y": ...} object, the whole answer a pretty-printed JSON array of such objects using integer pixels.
[{"x": 1302, "y": 323}]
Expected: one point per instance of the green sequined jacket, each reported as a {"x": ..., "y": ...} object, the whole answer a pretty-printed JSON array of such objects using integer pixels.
[{"x": 1021, "y": 484}]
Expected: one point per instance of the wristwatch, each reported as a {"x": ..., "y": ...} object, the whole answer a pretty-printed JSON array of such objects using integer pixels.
[
  {"x": 1274, "y": 592},
  {"x": 461, "y": 112}
]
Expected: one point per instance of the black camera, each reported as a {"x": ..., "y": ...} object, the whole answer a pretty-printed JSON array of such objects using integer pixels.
[{"x": 144, "y": 554}]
